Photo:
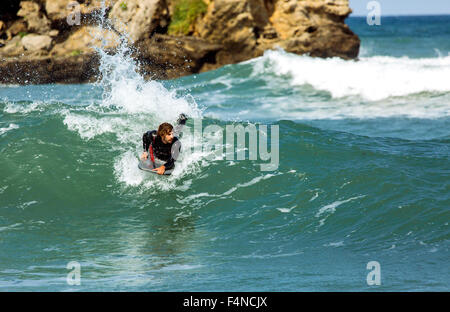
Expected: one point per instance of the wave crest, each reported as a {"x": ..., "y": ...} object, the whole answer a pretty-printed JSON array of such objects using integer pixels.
[{"x": 372, "y": 78}]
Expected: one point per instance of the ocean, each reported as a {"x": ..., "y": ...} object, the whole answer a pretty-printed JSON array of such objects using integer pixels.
[{"x": 362, "y": 178}]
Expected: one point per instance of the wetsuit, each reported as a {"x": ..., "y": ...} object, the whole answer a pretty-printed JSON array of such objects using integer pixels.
[{"x": 165, "y": 152}]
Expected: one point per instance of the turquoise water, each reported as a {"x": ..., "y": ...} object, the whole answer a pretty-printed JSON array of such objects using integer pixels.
[{"x": 363, "y": 175}]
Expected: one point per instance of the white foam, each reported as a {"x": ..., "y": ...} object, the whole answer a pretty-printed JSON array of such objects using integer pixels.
[
  {"x": 287, "y": 210},
  {"x": 10, "y": 227},
  {"x": 181, "y": 267},
  {"x": 372, "y": 78},
  {"x": 88, "y": 127},
  {"x": 14, "y": 108},
  {"x": 337, "y": 244},
  {"x": 128, "y": 91},
  {"x": 251, "y": 182},
  {"x": 25, "y": 205},
  {"x": 314, "y": 197},
  {"x": 127, "y": 171},
  {"x": 331, "y": 208},
  {"x": 9, "y": 128},
  {"x": 193, "y": 197}
]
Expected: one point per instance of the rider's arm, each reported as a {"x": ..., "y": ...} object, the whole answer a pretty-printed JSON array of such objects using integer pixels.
[
  {"x": 181, "y": 122},
  {"x": 176, "y": 148}
]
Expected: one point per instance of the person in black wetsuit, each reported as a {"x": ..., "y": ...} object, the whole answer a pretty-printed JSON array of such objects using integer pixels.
[{"x": 163, "y": 144}]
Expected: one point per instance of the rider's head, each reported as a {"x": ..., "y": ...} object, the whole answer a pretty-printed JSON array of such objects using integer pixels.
[{"x": 165, "y": 131}]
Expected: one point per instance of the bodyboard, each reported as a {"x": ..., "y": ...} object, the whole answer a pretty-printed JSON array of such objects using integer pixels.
[{"x": 147, "y": 165}]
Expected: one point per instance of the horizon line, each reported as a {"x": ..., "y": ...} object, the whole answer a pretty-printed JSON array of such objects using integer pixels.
[{"x": 395, "y": 15}]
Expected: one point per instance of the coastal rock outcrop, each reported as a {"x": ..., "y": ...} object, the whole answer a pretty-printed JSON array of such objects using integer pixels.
[
  {"x": 166, "y": 56},
  {"x": 246, "y": 28},
  {"x": 59, "y": 10},
  {"x": 35, "y": 42},
  {"x": 315, "y": 27},
  {"x": 138, "y": 19},
  {"x": 48, "y": 69},
  {"x": 36, "y": 21},
  {"x": 85, "y": 39},
  {"x": 169, "y": 38},
  {"x": 235, "y": 24}
]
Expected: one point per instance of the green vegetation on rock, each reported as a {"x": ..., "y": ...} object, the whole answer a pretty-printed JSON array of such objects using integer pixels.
[
  {"x": 123, "y": 6},
  {"x": 185, "y": 14},
  {"x": 22, "y": 34},
  {"x": 75, "y": 53}
]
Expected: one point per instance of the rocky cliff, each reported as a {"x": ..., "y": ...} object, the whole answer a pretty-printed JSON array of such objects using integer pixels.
[{"x": 42, "y": 41}]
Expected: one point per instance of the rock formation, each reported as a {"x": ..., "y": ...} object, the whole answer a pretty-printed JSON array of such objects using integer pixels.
[
  {"x": 170, "y": 38},
  {"x": 139, "y": 18}
]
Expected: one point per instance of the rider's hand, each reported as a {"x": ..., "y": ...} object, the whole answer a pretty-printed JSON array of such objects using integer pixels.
[
  {"x": 160, "y": 170},
  {"x": 182, "y": 119},
  {"x": 144, "y": 155}
]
